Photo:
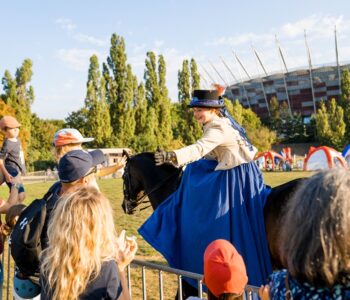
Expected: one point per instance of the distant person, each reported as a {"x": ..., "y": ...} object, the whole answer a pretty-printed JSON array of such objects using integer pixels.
[
  {"x": 83, "y": 259},
  {"x": 68, "y": 139},
  {"x": 224, "y": 272},
  {"x": 269, "y": 166},
  {"x": 11, "y": 162},
  {"x": 315, "y": 241}
]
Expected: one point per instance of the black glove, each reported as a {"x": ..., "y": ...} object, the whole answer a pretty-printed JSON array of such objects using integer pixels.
[{"x": 163, "y": 157}]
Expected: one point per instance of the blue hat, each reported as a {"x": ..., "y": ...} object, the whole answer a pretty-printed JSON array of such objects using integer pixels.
[
  {"x": 24, "y": 288},
  {"x": 77, "y": 163},
  {"x": 206, "y": 98}
]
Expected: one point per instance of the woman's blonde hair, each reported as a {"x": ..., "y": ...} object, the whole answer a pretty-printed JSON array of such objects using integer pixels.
[
  {"x": 60, "y": 151},
  {"x": 81, "y": 237},
  {"x": 315, "y": 235}
]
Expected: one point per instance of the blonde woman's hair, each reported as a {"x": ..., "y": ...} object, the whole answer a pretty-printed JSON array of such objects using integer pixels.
[
  {"x": 315, "y": 235},
  {"x": 81, "y": 237},
  {"x": 60, "y": 151}
]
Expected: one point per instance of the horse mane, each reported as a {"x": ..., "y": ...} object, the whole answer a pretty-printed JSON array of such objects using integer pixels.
[{"x": 149, "y": 156}]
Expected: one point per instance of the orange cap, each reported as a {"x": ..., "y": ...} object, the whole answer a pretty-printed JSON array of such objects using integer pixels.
[
  {"x": 224, "y": 269},
  {"x": 67, "y": 136},
  {"x": 9, "y": 122}
]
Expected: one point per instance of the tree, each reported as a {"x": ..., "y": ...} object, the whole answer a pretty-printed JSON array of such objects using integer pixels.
[
  {"x": 98, "y": 123},
  {"x": 6, "y": 110},
  {"x": 345, "y": 100},
  {"x": 188, "y": 128},
  {"x": 78, "y": 120},
  {"x": 164, "y": 114},
  {"x": 157, "y": 98},
  {"x": 260, "y": 136},
  {"x": 330, "y": 124},
  {"x": 119, "y": 83},
  {"x": 275, "y": 114},
  {"x": 20, "y": 95},
  {"x": 39, "y": 154},
  {"x": 195, "y": 78},
  {"x": 144, "y": 138}
]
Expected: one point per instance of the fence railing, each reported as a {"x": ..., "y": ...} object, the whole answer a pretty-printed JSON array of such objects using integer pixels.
[{"x": 250, "y": 292}]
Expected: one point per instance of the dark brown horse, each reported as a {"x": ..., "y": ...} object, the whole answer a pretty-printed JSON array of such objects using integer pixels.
[{"x": 143, "y": 179}]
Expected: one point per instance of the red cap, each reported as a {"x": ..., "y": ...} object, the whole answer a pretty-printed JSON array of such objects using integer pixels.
[
  {"x": 9, "y": 122},
  {"x": 224, "y": 269}
]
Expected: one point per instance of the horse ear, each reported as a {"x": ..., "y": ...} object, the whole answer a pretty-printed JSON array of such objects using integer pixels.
[{"x": 126, "y": 153}]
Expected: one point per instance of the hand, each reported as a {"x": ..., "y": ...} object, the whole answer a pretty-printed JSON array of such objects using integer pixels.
[
  {"x": 161, "y": 157},
  {"x": 127, "y": 248},
  {"x": 8, "y": 178},
  {"x": 122, "y": 162},
  {"x": 264, "y": 292}
]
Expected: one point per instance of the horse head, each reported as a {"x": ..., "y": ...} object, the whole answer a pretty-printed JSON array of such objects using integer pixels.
[
  {"x": 131, "y": 188},
  {"x": 142, "y": 178}
]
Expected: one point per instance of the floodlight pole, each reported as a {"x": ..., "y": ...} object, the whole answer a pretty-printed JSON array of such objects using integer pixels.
[
  {"x": 280, "y": 54},
  {"x": 310, "y": 71}
]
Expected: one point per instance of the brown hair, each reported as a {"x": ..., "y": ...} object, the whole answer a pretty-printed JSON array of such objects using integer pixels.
[
  {"x": 315, "y": 235},
  {"x": 225, "y": 296},
  {"x": 60, "y": 151}
]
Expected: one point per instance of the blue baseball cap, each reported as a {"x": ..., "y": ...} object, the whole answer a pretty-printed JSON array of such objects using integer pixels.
[{"x": 76, "y": 164}]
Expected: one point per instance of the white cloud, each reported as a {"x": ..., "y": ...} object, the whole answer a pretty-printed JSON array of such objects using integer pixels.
[
  {"x": 66, "y": 24},
  {"x": 320, "y": 36},
  {"x": 77, "y": 59},
  {"x": 158, "y": 43},
  {"x": 237, "y": 40},
  {"x": 90, "y": 39},
  {"x": 139, "y": 48}
]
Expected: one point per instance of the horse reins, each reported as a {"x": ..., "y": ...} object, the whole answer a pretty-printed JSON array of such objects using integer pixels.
[{"x": 141, "y": 199}]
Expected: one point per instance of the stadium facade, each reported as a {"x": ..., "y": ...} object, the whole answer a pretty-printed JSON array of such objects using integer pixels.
[
  {"x": 293, "y": 87},
  {"x": 302, "y": 88}
]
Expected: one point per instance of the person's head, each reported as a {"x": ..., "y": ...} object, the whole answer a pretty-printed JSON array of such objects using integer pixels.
[
  {"x": 68, "y": 139},
  {"x": 81, "y": 237},
  {"x": 206, "y": 105},
  {"x": 10, "y": 126},
  {"x": 78, "y": 167},
  {"x": 315, "y": 235},
  {"x": 224, "y": 271}
]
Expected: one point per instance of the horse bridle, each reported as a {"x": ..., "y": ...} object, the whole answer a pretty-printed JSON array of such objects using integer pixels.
[{"x": 131, "y": 203}]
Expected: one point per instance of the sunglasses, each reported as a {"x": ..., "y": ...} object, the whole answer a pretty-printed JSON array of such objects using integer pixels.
[{"x": 92, "y": 171}]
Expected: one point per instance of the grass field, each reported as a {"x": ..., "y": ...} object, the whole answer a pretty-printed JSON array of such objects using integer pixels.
[{"x": 113, "y": 189}]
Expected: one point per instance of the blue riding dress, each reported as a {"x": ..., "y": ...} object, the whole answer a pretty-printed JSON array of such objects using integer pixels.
[{"x": 219, "y": 197}]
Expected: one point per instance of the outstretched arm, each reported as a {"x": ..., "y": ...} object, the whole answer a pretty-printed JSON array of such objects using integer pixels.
[{"x": 112, "y": 169}]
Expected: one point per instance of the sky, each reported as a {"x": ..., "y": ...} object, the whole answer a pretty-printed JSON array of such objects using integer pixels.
[{"x": 60, "y": 36}]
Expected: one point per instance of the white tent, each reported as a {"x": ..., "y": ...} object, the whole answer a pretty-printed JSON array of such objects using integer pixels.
[{"x": 323, "y": 158}]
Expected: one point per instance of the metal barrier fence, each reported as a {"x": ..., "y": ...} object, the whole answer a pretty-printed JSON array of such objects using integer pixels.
[
  {"x": 250, "y": 292},
  {"x": 7, "y": 273}
]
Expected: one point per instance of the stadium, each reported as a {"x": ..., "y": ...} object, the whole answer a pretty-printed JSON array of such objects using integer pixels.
[{"x": 301, "y": 88}]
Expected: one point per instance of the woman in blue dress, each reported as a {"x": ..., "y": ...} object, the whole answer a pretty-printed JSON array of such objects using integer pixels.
[{"x": 221, "y": 196}]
